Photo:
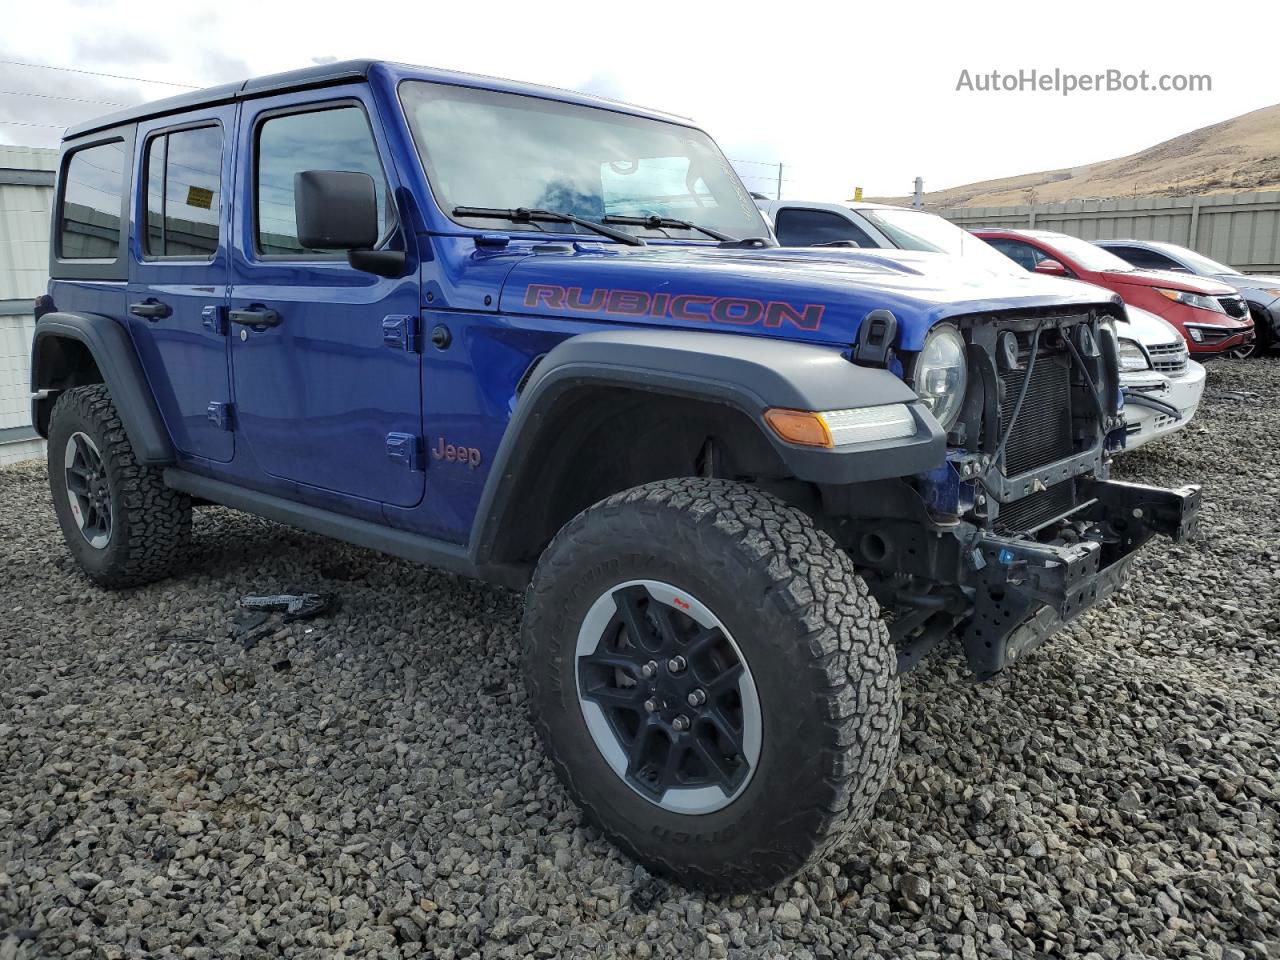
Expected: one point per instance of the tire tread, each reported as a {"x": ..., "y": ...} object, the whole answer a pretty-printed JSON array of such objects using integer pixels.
[
  {"x": 845, "y": 650},
  {"x": 156, "y": 518}
]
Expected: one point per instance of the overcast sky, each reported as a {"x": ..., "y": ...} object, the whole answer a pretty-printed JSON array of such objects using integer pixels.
[{"x": 844, "y": 94}]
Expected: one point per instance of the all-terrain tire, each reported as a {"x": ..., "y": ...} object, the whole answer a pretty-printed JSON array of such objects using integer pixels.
[
  {"x": 810, "y": 634},
  {"x": 150, "y": 524}
]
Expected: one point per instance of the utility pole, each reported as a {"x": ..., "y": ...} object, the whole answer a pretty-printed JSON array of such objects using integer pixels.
[
  {"x": 779, "y": 191},
  {"x": 917, "y": 198}
]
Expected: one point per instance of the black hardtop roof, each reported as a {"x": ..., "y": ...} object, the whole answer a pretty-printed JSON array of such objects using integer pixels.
[
  {"x": 319, "y": 76},
  {"x": 329, "y": 74}
]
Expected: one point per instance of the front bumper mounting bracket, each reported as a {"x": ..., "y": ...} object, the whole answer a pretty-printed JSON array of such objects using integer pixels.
[{"x": 1024, "y": 590}]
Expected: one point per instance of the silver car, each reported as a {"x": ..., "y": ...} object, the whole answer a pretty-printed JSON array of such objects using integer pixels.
[{"x": 1261, "y": 292}]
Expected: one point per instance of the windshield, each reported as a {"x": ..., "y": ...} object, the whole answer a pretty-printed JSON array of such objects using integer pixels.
[
  {"x": 915, "y": 230},
  {"x": 481, "y": 148},
  {"x": 1199, "y": 264},
  {"x": 1086, "y": 255}
]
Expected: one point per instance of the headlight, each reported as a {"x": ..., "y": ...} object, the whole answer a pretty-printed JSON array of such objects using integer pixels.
[
  {"x": 942, "y": 374},
  {"x": 1191, "y": 299},
  {"x": 1132, "y": 356}
]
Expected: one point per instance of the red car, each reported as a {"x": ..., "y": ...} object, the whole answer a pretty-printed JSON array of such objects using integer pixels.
[{"x": 1211, "y": 316}]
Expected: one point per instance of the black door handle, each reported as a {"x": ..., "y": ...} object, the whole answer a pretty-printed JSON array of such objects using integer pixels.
[
  {"x": 257, "y": 317},
  {"x": 151, "y": 309}
]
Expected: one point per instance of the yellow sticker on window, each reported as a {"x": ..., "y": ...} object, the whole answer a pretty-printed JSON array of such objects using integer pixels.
[{"x": 200, "y": 197}]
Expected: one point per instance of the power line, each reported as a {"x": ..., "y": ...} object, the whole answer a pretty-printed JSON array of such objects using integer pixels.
[
  {"x": 95, "y": 73},
  {"x": 20, "y": 123},
  {"x": 51, "y": 96}
]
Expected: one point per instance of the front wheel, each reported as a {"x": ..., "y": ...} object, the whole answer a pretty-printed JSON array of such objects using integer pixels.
[
  {"x": 1264, "y": 341},
  {"x": 711, "y": 680}
]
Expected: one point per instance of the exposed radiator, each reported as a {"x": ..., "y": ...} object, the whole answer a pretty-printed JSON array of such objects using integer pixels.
[
  {"x": 1042, "y": 433},
  {"x": 1037, "y": 508}
]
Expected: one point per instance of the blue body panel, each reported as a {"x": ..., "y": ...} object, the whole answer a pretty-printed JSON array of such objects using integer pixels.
[
  {"x": 838, "y": 288},
  {"x": 317, "y": 395},
  {"x": 327, "y": 411},
  {"x": 184, "y": 357}
]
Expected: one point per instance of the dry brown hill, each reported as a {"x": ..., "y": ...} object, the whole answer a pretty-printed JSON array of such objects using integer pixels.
[{"x": 1236, "y": 155}]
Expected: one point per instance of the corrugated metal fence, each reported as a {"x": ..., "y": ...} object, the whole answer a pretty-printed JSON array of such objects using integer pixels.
[
  {"x": 1240, "y": 229},
  {"x": 26, "y": 194}
]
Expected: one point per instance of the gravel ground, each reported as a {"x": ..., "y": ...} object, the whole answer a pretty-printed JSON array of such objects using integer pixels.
[{"x": 367, "y": 784}]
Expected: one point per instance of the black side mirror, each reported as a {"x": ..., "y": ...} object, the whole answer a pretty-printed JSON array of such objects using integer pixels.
[
  {"x": 335, "y": 209},
  {"x": 338, "y": 210}
]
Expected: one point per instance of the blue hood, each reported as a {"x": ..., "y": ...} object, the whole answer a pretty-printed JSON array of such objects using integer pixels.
[{"x": 816, "y": 294}]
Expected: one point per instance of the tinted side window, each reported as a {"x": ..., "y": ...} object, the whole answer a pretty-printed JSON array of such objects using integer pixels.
[
  {"x": 335, "y": 139},
  {"x": 184, "y": 192},
  {"x": 1145, "y": 259},
  {"x": 799, "y": 227},
  {"x": 92, "y": 192},
  {"x": 1023, "y": 254}
]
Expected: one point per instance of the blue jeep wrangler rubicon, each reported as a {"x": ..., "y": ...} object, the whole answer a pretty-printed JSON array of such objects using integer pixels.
[{"x": 544, "y": 340}]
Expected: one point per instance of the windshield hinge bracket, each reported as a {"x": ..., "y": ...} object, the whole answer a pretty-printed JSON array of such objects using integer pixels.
[{"x": 875, "y": 339}]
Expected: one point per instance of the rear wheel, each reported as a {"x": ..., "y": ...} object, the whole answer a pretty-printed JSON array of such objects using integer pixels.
[
  {"x": 711, "y": 680},
  {"x": 123, "y": 526}
]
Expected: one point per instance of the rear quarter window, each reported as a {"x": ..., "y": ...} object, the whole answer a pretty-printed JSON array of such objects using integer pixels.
[{"x": 93, "y": 186}]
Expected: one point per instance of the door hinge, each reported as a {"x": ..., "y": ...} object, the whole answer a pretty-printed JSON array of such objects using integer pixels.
[
  {"x": 214, "y": 319},
  {"x": 221, "y": 415},
  {"x": 406, "y": 449},
  {"x": 400, "y": 331}
]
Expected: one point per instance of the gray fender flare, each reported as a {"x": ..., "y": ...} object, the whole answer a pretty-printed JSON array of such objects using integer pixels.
[
  {"x": 752, "y": 374},
  {"x": 112, "y": 350}
]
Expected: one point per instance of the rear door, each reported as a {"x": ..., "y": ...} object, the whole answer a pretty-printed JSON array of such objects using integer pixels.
[
  {"x": 178, "y": 275},
  {"x": 328, "y": 386}
]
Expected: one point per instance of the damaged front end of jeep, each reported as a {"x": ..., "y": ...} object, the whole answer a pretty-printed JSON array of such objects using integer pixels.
[{"x": 1020, "y": 529}]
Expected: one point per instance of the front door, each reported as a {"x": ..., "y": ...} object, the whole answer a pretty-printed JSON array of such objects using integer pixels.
[
  {"x": 328, "y": 389},
  {"x": 178, "y": 274}
]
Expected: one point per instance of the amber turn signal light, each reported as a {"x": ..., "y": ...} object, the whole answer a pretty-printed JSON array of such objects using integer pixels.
[{"x": 799, "y": 426}]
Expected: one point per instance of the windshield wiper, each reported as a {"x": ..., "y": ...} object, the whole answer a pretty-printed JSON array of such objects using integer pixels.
[
  {"x": 526, "y": 215},
  {"x": 656, "y": 222}
]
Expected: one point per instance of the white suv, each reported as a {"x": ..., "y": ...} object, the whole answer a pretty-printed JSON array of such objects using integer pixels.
[{"x": 1162, "y": 383}]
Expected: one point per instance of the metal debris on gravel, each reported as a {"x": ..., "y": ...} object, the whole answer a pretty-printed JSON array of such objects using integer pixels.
[{"x": 367, "y": 784}]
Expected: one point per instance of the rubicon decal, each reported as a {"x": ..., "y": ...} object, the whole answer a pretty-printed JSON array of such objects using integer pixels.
[{"x": 696, "y": 307}]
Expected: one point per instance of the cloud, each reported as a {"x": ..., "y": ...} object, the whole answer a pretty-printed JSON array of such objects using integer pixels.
[
  {"x": 215, "y": 66},
  {"x": 50, "y": 100},
  {"x": 603, "y": 83},
  {"x": 119, "y": 49}
]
